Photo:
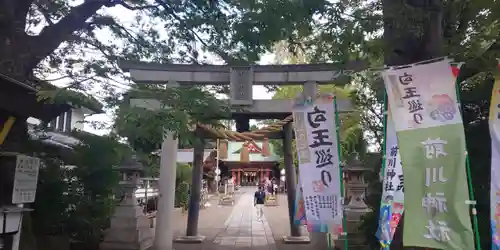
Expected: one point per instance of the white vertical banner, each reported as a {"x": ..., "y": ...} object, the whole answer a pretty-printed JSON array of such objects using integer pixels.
[
  {"x": 392, "y": 204},
  {"x": 317, "y": 148}
]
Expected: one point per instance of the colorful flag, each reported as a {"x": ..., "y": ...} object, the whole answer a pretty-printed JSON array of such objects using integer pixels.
[
  {"x": 432, "y": 146},
  {"x": 494, "y": 124},
  {"x": 392, "y": 204},
  {"x": 317, "y": 148},
  {"x": 300, "y": 212}
]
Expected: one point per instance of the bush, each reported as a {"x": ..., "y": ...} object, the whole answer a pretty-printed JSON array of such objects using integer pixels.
[{"x": 75, "y": 196}]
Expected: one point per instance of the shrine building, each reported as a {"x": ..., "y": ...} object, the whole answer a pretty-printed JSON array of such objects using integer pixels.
[{"x": 248, "y": 163}]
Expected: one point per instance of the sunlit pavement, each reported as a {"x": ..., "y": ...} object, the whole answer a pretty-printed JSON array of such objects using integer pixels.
[{"x": 243, "y": 231}]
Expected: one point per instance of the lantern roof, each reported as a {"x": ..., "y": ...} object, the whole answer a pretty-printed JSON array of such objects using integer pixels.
[{"x": 132, "y": 164}]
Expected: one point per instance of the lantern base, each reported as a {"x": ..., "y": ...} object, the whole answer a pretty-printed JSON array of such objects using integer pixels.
[
  {"x": 130, "y": 230},
  {"x": 296, "y": 239},
  {"x": 190, "y": 239}
]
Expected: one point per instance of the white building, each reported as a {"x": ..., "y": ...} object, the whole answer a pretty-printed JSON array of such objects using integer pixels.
[{"x": 56, "y": 132}]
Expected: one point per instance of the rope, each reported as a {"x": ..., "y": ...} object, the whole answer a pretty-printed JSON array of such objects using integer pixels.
[{"x": 257, "y": 134}]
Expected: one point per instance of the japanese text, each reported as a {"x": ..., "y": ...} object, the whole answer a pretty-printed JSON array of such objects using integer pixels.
[
  {"x": 436, "y": 203},
  {"x": 321, "y": 144},
  {"x": 412, "y": 97}
]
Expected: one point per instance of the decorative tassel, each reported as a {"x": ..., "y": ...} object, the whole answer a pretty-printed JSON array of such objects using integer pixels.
[
  {"x": 223, "y": 149},
  {"x": 265, "y": 148},
  {"x": 244, "y": 154}
]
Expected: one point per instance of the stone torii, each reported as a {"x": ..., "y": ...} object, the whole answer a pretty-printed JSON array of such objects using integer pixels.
[{"x": 244, "y": 107}]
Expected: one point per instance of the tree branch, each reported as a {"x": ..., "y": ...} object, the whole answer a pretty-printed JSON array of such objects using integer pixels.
[
  {"x": 53, "y": 35},
  {"x": 130, "y": 7},
  {"x": 224, "y": 56},
  {"x": 13, "y": 15},
  {"x": 45, "y": 14}
]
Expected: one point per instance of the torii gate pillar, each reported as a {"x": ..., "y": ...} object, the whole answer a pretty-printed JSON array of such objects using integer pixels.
[{"x": 296, "y": 237}]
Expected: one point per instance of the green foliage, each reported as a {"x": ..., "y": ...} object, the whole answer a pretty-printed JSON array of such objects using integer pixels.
[
  {"x": 183, "y": 173},
  {"x": 370, "y": 220},
  {"x": 351, "y": 137},
  {"x": 76, "y": 99},
  {"x": 182, "y": 195},
  {"x": 80, "y": 42},
  {"x": 187, "y": 107},
  {"x": 75, "y": 197},
  {"x": 353, "y": 29},
  {"x": 475, "y": 98}
]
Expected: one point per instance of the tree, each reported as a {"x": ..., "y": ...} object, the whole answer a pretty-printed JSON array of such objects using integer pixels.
[
  {"x": 348, "y": 30},
  {"x": 76, "y": 192},
  {"x": 55, "y": 36},
  {"x": 77, "y": 44}
]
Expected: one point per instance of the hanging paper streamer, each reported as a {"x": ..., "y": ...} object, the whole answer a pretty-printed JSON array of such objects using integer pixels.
[
  {"x": 494, "y": 124},
  {"x": 431, "y": 140},
  {"x": 392, "y": 204},
  {"x": 317, "y": 148}
]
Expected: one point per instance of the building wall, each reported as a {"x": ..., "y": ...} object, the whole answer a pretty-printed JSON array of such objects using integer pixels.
[{"x": 66, "y": 122}]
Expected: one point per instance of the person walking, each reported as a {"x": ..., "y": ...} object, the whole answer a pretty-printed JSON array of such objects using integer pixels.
[{"x": 258, "y": 202}]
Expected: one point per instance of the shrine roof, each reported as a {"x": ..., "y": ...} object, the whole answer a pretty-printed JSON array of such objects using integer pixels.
[{"x": 234, "y": 149}]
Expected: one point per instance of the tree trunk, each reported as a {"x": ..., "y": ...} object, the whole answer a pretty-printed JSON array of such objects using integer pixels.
[{"x": 405, "y": 45}]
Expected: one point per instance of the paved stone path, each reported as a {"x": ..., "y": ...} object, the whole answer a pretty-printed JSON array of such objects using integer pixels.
[{"x": 243, "y": 231}]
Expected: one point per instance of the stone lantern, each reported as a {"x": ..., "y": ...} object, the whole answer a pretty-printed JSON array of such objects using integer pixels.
[
  {"x": 355, "y": 186},
  {"x": 354, "y": 203},
  {"x": 130, "y": 227}
]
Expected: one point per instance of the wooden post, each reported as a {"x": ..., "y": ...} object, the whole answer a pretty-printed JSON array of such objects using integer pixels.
[{"x": 195, "y": 197}]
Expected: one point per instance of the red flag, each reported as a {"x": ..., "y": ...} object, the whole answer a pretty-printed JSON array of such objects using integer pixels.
[{"x": 455, "y": 70}]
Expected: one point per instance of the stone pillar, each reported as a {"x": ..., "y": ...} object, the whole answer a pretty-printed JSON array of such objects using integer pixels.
[
  {"x": 195, "y": 197},
  {"x": 233, "y": 175},
  {"x": 130, "y": 228},
  {"x": 166, "y": 192},
  {"x": 291, "y": 180}
]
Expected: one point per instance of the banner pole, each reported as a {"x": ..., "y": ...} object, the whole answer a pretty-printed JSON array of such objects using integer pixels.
[
  {"x": 469, "y": 178},
  {"x": 344, "y": 218},
  {"x": 384, "y": 155}
]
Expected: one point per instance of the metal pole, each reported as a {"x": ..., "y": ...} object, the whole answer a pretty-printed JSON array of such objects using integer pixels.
[
  {"x": 291, "y": 177},
  {"x": 146, "y": 186},
  {"x": 166, "y": 193},
  {"x": 196, "y": 185}
]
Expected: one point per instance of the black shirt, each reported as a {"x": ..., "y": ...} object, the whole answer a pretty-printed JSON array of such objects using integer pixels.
[{"x": 260, "y": 197}]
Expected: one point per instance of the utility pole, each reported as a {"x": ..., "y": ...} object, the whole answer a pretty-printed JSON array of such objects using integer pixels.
[{"x": 405, "y": 46}]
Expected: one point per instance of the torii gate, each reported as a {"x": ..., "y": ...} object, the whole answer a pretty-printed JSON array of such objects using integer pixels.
[{"x": 244, "y": 107}]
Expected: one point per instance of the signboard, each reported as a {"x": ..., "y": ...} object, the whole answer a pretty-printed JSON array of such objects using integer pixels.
[
  {"x": 25, "y": 179},
  {"x": 241, "y": 82}
]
